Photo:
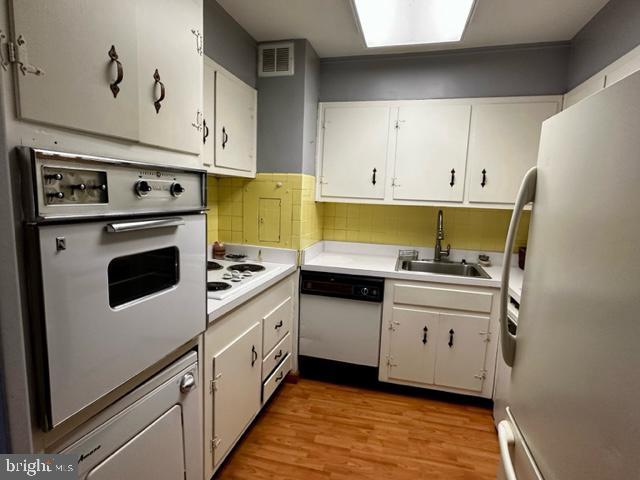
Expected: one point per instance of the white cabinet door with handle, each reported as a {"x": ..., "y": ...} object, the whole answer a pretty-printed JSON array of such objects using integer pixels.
[
  {"x": 170, "y": 58},
  {"x": 431, "y": 152},
  {"x": 237, "y": 375},
  {"x": 462, "y": 348},
  {"x": 354, "y": 152},
  {"x": 413, "y": 336},
  {"x": 80, "y": 65},
  {"x": 208, "y": 120},
  {"x": 503, "y": 145}
]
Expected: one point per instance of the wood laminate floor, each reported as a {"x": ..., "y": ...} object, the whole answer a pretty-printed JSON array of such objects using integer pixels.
[{"x": 316, "y": 430}]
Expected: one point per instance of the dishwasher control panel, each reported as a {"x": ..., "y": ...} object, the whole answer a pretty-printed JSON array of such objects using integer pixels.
[{"x": 352, "y": 287}]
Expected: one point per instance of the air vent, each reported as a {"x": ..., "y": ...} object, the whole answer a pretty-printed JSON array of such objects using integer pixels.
[{"x": 275, "y": 59}]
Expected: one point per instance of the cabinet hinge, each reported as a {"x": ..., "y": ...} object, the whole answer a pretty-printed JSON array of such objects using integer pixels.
[
  {"x": 394, "y": 182},
  {"x": 393, "y": 324},
  {"x": 390, "y": 362},
  {"x": 213, "y": 384},
  {"x": 199, "y": 41},
  {"x": 482, "y": 375},
  {"x": 214, "y": 444},
  {"x": 322, "y": 181},
  {"x": 397, "y": 124},
  {"x": 487, "y": 336},
  {"x": 16, "y": 53},
  {"x": 198, "y": 123}
]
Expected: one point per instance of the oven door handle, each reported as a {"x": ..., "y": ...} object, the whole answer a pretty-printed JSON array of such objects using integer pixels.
[{"x": 144, "y": 224}]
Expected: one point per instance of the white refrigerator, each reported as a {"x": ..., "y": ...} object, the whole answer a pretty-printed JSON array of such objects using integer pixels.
[{"x": 574, "y": 395}]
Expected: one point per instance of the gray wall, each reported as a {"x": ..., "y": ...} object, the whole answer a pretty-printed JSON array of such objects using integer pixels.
[
  {"x": 507, "y": 71},
  {"x": 311, "y": 91},
  {"x": 282, "y": 132},
  {"x": 611, "y": 33},
  {"x": 226, "y": 42}
]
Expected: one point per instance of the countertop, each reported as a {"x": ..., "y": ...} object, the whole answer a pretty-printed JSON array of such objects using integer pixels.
[
  {"x": 380, "y": 261},
  {"x": 286, "y": 265}
]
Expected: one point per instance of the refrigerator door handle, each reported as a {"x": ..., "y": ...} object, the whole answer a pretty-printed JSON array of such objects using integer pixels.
[
  {"x": 506, "y": 440},
  {"x": 526, "y": 195}
]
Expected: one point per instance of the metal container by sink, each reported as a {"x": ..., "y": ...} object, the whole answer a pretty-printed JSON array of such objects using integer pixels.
[{"x": 443, "y": 268}]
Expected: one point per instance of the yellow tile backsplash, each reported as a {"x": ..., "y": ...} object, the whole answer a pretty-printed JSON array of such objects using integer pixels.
[{"x": 282, "y": 207}]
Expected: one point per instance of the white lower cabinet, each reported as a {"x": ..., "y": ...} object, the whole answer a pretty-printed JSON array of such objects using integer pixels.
[
  {"x": 236, "y": 387},
  {"x": 426, "y": 343},
  {"x": 244, "y": 366}
]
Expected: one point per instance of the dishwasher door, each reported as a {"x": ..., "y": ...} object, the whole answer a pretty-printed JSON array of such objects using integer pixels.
[{"x": 340, "y": 329}]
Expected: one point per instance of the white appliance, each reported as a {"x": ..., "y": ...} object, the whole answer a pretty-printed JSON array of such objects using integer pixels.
[
  {"x": 340, "y": 317},
  {"x": 116, "y": 263},
  {"x": 503, "y": 371},
  {"x": 229, "y": 275},
  {"x": 575, "y": 388},
  {"x": 160, "y": 421}
]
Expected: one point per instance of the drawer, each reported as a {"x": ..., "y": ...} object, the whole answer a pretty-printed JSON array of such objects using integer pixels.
[
  {"x": 275, "y": 356},
  {"x": 443, "y": 298},
  {"x": 276, "y": 324},
  {"x": 275, "y": 379}
]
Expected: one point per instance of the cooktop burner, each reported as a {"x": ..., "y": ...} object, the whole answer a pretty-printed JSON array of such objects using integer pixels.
[
  {"x": 235, "y": 256},
  {"x": 246, "y": 267},
  {"x": 213, "y": 265},
  {"x": 217, "y": 286}
]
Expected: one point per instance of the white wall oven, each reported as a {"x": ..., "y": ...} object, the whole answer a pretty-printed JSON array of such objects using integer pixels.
[{"x": 116, "y": 268}]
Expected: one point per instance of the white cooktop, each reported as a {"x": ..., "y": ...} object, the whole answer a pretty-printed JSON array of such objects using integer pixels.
[{"x": 234, "y": 275}]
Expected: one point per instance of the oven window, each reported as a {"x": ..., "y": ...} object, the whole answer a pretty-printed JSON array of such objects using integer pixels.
[{"x": 142, "y": 274}]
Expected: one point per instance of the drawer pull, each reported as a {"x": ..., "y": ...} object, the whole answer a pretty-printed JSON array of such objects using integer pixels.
[
  {"x": 114, "y": 86},
  {"x": 278, "y": 355},
  {"x": 158, "y": 102},
  {"x": 279, "y": 325},
  {"x": 254, "y": 355},
  {"x": 280, "y": 377}
]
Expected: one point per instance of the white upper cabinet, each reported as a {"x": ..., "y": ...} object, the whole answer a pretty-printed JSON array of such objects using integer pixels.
[
  {"x": 208, "y": 119},
  {"x": 89, "y": 66},
  {"x": 79, "y": 48},
  {"x": 235, "y": 131},
  {"x": 170, "y": 74},
  {"x": 503, "y": 145},
  {"x": 354, "y": 152},
  {"x": 431, "y": 152}
]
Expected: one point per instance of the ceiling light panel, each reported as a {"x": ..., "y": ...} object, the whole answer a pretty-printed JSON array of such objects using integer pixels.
[{"x": 387, "y": 23}]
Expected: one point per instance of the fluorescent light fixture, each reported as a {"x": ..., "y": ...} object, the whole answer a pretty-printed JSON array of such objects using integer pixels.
[{"x": 387, "y": 23}]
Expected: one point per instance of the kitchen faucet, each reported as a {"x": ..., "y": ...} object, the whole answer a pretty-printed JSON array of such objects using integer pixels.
[{"x": 438, "y": 253}]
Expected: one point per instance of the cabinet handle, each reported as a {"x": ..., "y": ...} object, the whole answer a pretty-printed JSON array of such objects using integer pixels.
[
  {"x": 157, "y": 103},
  {"x": 280, "y": 377},
  {"x": 451, "y": 334},
  {"x": 113, "y": 55},
  {"x": 205, "y": 131},
  {"x": 278, "y": 355},
  {"x": 453, "y": 177},
  {"x": 484, "y": 178},
  {"x": 254, "y": 355},
  {"x": 373, "y": 177},
  {"x": 225, "y": 137},
  {"x": 425, "y": 330},
  {"x": 279, "y": 325}
]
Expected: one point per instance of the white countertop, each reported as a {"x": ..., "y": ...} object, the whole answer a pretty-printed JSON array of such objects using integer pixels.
[
  {"x": 380, "y": 261},
  {"x": 286, "y": 265}
]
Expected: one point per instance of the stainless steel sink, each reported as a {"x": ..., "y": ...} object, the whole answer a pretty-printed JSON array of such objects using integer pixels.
[{"x": 443, "y": 268}]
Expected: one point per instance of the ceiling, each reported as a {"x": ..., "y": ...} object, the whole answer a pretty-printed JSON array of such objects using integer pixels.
[{"x": 331, "y": 28}]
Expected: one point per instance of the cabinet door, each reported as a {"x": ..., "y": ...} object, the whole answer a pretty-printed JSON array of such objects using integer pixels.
[
  {"x": 462, "y": 348},
  {"x": 412, "y": 345},
  {"x": 354, "y": 152},
  {"x": 70, "y": 41},
  {"x": 431, "y": 152},
  {"x": 237, "y": 375},
  {"x": 208, "y": 120},
  {"x": 503, "y": 145},
  {"x": 235, "y": 124},
  {"x": 167, "y": 43}
]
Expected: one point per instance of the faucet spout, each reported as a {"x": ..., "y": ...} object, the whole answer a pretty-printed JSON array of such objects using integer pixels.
[{"x": 438, "y": 253}]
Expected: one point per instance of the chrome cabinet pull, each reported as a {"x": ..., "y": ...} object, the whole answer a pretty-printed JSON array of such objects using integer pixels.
[
  {"x": 453, "y": 177},
  {"x": 114, "y": 86},
  {"x": 144, "y": 225},
  {"x": 484, "y": 178},
  {"x": 254, "y": 355},
  {"x": 157, "y": 103},
  {"x": 205, "y": 131}
]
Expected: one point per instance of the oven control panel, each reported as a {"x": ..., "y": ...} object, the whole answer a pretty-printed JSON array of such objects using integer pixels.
[{"x": 74, "y": 186}]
